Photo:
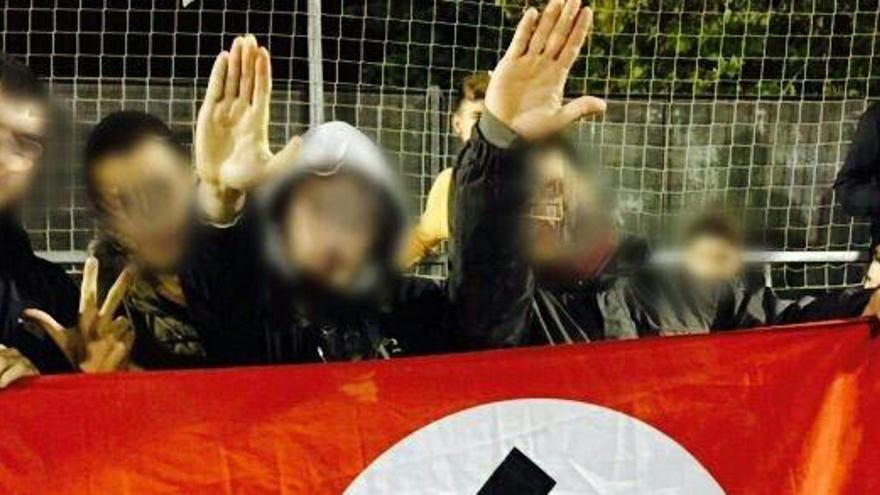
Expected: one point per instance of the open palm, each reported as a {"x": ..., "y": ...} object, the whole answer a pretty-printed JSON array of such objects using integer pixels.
[
  {"x": 527, "y": 86},
  {"x": 232, "y": 133}
]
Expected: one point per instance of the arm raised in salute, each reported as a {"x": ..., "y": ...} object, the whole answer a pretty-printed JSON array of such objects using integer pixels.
[
  {"x": 232, "y": 150},
  {"x": 526, "y": 90}
]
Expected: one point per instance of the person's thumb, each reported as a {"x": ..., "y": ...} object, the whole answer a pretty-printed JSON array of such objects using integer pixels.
[
  {"x": 44, "y": 319},
  {"x": 283, "y": 160},
  {"x": 585, "y": 106},
  {"x": 60, "y": 335}
]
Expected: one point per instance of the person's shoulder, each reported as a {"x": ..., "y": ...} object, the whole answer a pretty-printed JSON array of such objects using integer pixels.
[
  {"x": 439, "y": 192},
  {"x": 49, "y": 270},
  {"x": 873, "y": 111},
  {"x": 444, "y": 178}
]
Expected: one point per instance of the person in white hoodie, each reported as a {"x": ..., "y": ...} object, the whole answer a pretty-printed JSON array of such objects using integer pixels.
[{"x": 303, "y": 267}]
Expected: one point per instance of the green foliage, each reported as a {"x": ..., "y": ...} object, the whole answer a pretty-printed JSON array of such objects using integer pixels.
[{"x": 732, "y": 48}]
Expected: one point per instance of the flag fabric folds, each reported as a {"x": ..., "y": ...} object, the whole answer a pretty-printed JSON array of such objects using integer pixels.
[{"x": 786, "y": 410}]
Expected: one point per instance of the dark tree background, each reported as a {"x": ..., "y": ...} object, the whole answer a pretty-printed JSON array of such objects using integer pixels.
[
  {"x": 691, "y": 48},
  {"x": 735, "y": 48}
]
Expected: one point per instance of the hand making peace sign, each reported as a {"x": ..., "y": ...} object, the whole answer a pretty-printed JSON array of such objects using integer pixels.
[{"x": 100, "y": 342}]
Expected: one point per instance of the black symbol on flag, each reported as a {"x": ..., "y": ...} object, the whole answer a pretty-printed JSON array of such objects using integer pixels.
[{"x": 518, "y": 475}]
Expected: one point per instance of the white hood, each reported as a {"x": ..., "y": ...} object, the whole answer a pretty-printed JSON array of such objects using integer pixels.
[{"x": 326, "y": 150}]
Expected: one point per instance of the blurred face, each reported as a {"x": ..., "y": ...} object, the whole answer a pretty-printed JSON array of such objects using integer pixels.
[
  {"x": 146, "y": 193},
  {"x": 713, "y": 258},
  {"x": 331, "y": 229},
  {"x": 465, "y": 118},
  {"x": 563, "y": 218},
  {"x": 22, "y": 129}
]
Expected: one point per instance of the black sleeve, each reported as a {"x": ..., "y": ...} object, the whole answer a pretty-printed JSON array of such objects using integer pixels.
[
  {"x": 764, "y": 307},
  {"x": 491, "y": 285},
  {"x": 53, "y": 291},
  {"x": 423, "y": 320},
  {"x": 222, "y": 277},
  {"x": 856, "y": 184},
  {"x": 47, "y": 287}
]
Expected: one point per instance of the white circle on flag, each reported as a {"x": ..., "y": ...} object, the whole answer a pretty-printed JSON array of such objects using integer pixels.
[{"x": 561, "y": 446}]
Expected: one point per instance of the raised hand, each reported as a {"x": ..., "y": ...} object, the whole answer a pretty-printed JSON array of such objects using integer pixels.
[
  {"x": 100, "y": 342},
  {"x": 526, "y": 90},
  {"x": 232, "y": 133},
  {"x": 14, "y": 366}
]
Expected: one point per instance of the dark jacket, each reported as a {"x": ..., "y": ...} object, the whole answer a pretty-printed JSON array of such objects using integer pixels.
[
  {"x": 166, "y": 337},
  {"x": 260, "y": 310},
  {"x": 502, "y": 303},
  {"x": 858, "y": 181},
  {"x": 27, "y": 281}
]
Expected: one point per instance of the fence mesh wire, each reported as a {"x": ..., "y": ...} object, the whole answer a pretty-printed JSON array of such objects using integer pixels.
[{"x": 750, "y": 103}]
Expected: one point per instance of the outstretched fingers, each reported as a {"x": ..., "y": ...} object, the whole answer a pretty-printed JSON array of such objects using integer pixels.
[
  {"x": 114, "y": 298},
  {"x": 233, "y": 71},
  {"x": 217, "y": 81},
  {"x": 561, "y": 31},
  {"x": 263, "y": 81},
  {"x": 249, "y": 54},
  {"x": 88, "y": 296},
  {"x": 520, "y": 42},
  {"x": 576, "y": 38},
  {"x": 545, "y": 27}
]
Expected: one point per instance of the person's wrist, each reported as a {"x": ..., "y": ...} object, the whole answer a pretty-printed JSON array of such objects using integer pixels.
[
  {"x": 496, "y": 131},
  {"x": 218, "y": 204}
]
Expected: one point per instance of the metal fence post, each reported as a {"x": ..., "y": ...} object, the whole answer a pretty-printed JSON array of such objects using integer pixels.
[
  {"x": 316, "y": 70},
  {"x": 436, "y": 132}
]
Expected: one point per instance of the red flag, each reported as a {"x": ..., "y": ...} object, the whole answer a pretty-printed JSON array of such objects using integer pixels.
[{"x": 779, "y": 411}]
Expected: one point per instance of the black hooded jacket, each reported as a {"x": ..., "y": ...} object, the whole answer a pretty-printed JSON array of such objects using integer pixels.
[
  {"x": 240, "y": 286},
  {"x": 858, "y": 181},
  {"x": 501, "y": 302},
  {"x": 27, "y": 281}
]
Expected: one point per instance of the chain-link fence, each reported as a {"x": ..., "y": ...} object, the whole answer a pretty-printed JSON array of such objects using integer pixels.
[{"x": 750, "y": 103}]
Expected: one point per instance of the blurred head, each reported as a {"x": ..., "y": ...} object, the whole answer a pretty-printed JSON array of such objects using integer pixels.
[
  {"x": 713, "y": 248},
  {"x": 139, "y": 180},
  {"x": 335, "y": 220},
  {"x": 470, "y": 105},
  {"x": 331, "y": 229},
  {"x": 569, "y": 217},
  {"x": 24, "y": 108}
]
